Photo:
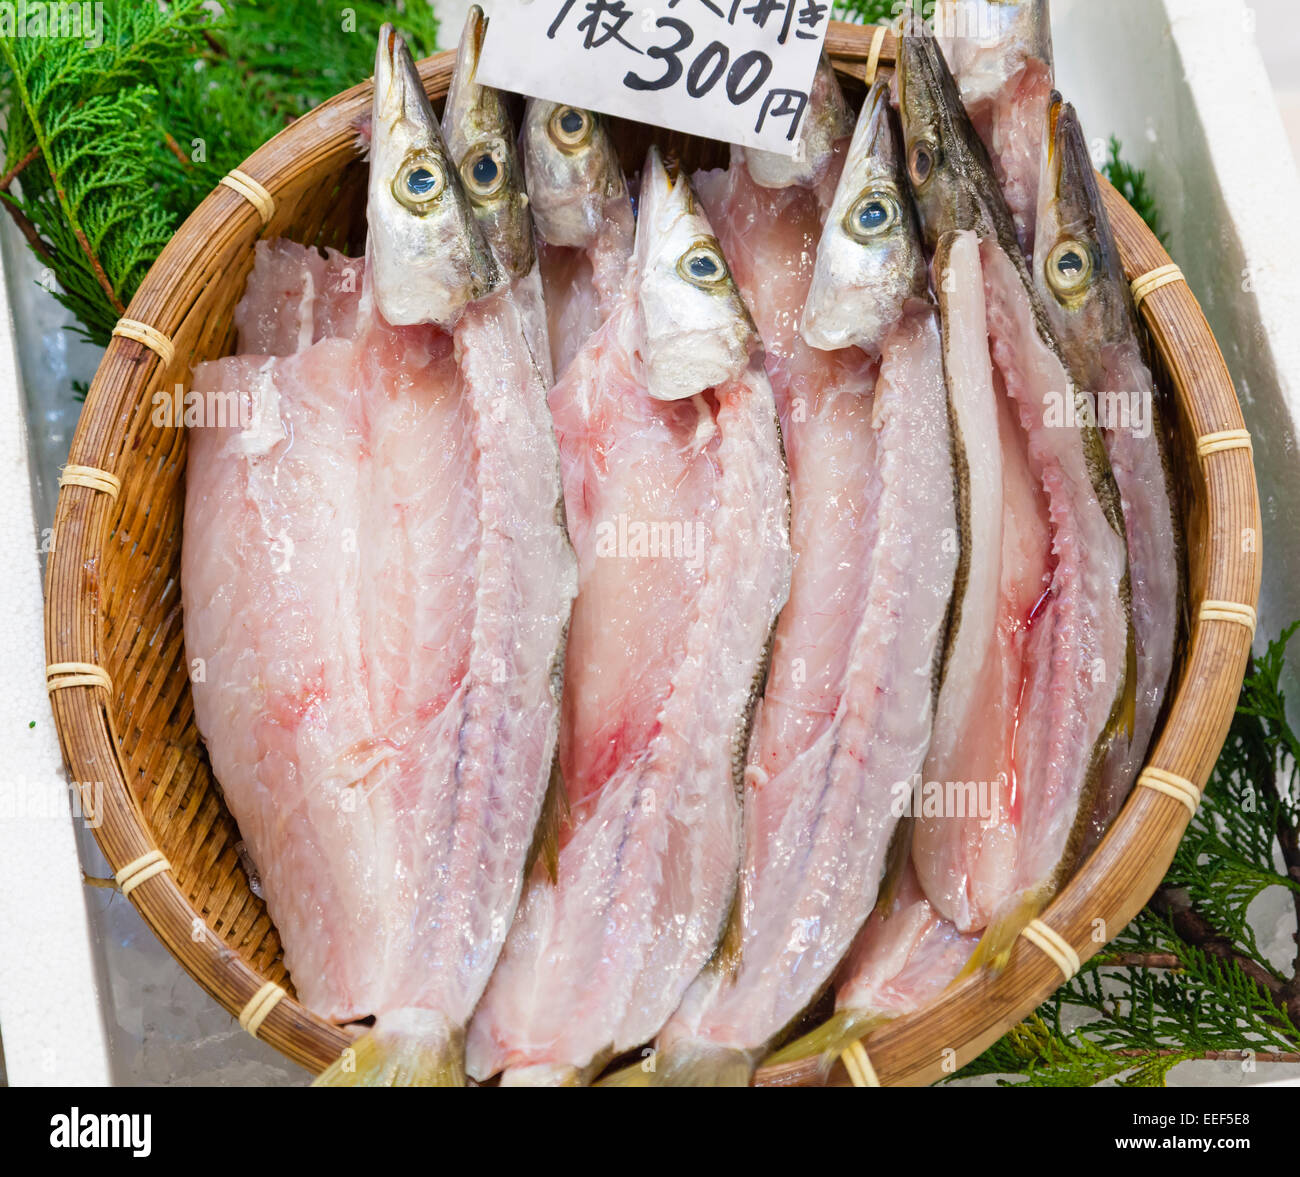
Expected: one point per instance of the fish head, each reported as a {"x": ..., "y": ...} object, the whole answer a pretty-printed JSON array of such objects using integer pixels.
[
  {"x": 826, "y": 121},
  {"x": 870, "y": 259},
  {"x": 948, "y": 166},
  {"x": 572, "y": 169},
  {"x": 480, "y": 140},
  {"x": 1077, "y": 268},
  {"x": 428, "y": 256},
  {"x": 697, "y": 331}
]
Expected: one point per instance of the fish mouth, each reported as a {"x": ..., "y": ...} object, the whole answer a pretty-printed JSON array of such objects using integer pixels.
[
  {"x": 665, "y": 198},
  {"x": 1069, "y": 163},
  {"x": 1054, "y": 112},
  {"x": 471, "y": 109},
  {"x": 471, "y": 44},
  {"x": 877, "y": 113},
  {"x": 399, "y": 93},
  {"x": 666, "y": 166},
  {"x": 921, "y": 68}
]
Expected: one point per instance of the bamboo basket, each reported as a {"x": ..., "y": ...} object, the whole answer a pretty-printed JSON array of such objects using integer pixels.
[{"x": 118, "y": 674}]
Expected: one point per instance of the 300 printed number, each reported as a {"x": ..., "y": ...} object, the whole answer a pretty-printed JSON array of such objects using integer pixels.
[{"x": 743, "y": 80}]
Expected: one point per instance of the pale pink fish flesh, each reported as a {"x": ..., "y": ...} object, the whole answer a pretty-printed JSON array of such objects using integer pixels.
[
  {"x": 848, "y": 707},
  {"x": 1055, "y": 667},
  {"x": 295, "y": 297},
  {"x": 903, "y": 959},
  {"x": 908, "y": 953},
  {"x": 1155, "y": 562},
  {"x": 582, "y": 286},
  {"x": 665, "y": 659},
  {"x": 377, "y": 584}
]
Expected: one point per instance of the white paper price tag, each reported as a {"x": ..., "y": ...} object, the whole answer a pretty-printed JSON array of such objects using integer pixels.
[{"x": 735, "y": 70}]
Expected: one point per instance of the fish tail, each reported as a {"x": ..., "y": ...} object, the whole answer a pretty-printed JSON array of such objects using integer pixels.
[
  {"x": 999, "y": 938},
  {"x": 691, "y": 1063},
  {"x": 546, "y": 834},
  {"x": 410, "y": 1048},
  {"x": 830, "y": 1040},
  {"x": 543, "y": 1075},
  {"x": 638, "y": 1074}
]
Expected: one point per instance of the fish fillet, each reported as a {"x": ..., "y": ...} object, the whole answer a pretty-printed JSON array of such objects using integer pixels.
[
  {"x": 377, "y": 585},
  {"x": 1039, "y": 598},
  {"x": 848, "y": 707},
  {"x": 678, "y": 513}
]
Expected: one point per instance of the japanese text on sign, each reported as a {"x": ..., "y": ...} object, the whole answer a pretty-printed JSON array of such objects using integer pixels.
[{"x": 736, "y": 70}]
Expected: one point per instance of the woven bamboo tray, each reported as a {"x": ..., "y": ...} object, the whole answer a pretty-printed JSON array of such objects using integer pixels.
[{"x": 119, "y": 685}]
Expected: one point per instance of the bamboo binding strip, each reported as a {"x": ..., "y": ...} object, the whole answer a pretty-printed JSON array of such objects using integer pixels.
[
  {"x": 76, "y": 674},
  {"x": 158, "y": 785},
  {"x": 1218, "y": 443},
  {"x": 1171, "y": 785},
  {"x": 259, "y": 1006},
  {"x": 251, "y": 191},
  {"x": 92, "y": 477},
  {"x": 873, "y": 55},
  {"x": 858, "y": 1064},
  {"x": 1158, "y": 278},
  {"x": 1053, "y": 945},
  {"x": 141, "y": 870},
  {"x": 1230, "y": 611},
  {"x": 151, "y": 337}
]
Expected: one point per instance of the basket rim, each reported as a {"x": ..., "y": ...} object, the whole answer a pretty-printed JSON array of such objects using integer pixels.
[{"x": 919, "y": 1048}]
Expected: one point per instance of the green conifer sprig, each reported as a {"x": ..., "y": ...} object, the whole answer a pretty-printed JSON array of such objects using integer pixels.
[
  {"x": 867, "y": 12},
  {"x": 109, "y": 147},
  {"x": 76, "y": 143},
  {"x": 1132, "y": 184}
]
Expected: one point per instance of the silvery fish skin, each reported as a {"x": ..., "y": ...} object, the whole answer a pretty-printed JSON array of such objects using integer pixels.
[
  {"x": 826, "y": 121},
  {"x": 1000, "y": 52},
  {"x": 480, "y": 139},
  {"x": 1078, "y": 274},
  {"x": 665, "y": 662},
  {"x": 1049, "y": 583},
  {"x": 869, "y": 258},
  {"x": 848, "y": 704},
  {"x": 426, "y": 252},
  {"x": 948, "y": 165},
  {"x": 698, "y": 332}
]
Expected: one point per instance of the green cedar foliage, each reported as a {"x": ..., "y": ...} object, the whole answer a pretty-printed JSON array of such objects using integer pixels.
[{"x": 109, "y": 147}]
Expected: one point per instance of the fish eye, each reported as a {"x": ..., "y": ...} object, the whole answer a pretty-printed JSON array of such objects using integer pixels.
[
  {"x": 1069, "y": 268},
  {"x": 872, "y": 214},
  {"x": 484, "y": 170},
  {"x": 419, "y": 184},
  {"x": 921, "y": 161},
  {"x": 570, "y": 126},
  {"x": 703, "y": 265}
]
